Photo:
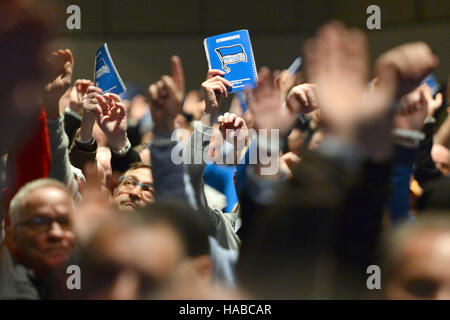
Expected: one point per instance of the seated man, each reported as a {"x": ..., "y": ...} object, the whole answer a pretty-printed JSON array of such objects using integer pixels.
[
  {"x": 40, "y": 238},
  {"x": 135, "y": 188}
]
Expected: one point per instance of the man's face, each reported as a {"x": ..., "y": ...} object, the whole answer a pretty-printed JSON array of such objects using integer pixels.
[
  {"x": 137, "y": 262},
  {"x": 129, "y": 195},
  {"x": 424, "y": 268},
  {"x": 180, "y": 121},
  {"x": 441, "y": 157},
  {"x": 43, "y": 236}
]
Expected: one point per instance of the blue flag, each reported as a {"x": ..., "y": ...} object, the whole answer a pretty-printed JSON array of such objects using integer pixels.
[
  {"x": 231, "y": 55},
  {"x": 106, "y": 76}
]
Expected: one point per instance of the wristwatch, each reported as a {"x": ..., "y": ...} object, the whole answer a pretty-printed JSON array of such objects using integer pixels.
[{"x": 122, "y": 151}]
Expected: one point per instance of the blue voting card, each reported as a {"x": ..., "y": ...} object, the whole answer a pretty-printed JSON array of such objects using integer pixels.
[
  {"x": 432, "y": 83},
  {"x": 232, "y": 52},
  {"x": 106, "y": 76}
]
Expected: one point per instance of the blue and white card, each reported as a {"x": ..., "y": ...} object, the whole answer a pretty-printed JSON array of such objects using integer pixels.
[
  {"x": 106, "y": 76},
  {"x": 232, "y": 52},
  {"x": 432, "y": 83}
]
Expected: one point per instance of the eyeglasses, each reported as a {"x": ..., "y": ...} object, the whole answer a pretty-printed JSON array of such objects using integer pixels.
[
  {"x": 44, "y": 224},
  {"x": 128, "y": 183},
  {"x": 422, "y": 287}
]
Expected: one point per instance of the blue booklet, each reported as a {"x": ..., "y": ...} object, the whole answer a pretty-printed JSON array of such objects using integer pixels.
[
  {"x": 106, "y": 76},
  {"x": 432, "y": 83},
  {"x": 232, "y": 52}
]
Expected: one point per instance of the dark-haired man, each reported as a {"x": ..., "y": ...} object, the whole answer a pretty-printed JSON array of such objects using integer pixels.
[{"x": 135, "y": 188}]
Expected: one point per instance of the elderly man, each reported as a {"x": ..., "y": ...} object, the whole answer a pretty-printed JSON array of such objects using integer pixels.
[{"x": 39, "y": 239}]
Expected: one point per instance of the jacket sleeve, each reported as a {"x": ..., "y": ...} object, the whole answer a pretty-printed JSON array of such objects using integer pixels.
[
  {"x": 178, "y": 172},
  {"x": 122, "y": 163},
  {"x": 61, "y": 168},
  {"x": 72, "y": 122},
  {"x": 82, "y": 153},
  {"x": 402, "y": 168},
  {"x": 169, "y": 176}
]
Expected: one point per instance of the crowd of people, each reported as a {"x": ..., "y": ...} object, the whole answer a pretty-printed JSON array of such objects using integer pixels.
[{"x": 155, "y": 195}]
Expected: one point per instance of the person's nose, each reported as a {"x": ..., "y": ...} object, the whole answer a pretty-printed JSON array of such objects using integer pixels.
[
  {"x": 135, "y": 192},
  {"x": 56, "y": 231}
]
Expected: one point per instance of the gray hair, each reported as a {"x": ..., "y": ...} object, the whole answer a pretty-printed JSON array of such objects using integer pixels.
[{"x": 18, "y": 201}]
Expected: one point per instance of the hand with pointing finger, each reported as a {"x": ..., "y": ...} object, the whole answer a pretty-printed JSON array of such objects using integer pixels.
[{"x": 166, "y": 97}]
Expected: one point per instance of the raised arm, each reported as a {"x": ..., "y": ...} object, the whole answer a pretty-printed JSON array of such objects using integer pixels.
[
  {"x": 61, "y": 65},
  {"x": 333, "y": 205},
  {"x": 166, "y": 96},
  {"x": 84, "y": 147},
  {"x": 112, "y": 119}
]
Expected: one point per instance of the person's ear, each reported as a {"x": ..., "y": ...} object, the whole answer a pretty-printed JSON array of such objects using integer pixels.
[{"x": 203, "y": 266}]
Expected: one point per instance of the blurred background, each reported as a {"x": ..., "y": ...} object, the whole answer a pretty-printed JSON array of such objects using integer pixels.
[{"x": 142, "y": 34}]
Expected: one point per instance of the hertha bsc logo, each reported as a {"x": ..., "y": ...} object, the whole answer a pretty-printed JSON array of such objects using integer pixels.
[{"x": 230, "y": 55}]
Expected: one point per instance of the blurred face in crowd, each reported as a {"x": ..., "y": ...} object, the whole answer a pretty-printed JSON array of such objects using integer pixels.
[
  {"x": 423, "y": 271},
  {"x": 441, "y": 157},
  {"x": 42, "y": 238},
  {"x": 138, "y": 262},
  {"x": 180, "y": 121},
  {"x": 138, "y": 107},
  {"x": 135, "y": 190}
]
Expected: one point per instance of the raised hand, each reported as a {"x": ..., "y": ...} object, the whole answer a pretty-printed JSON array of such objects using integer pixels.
[
  {"x": 112, "y": 119},
  {"x": 90, "y": 103},
  {"x": 302, "y": 98},
  {"x": 288, "y": 162},
  {"x": 234, "y": 130},
  {"x": 265, "y": 105},
  {"x": 413, "y": 111},
  {"x": 285, "y": 81},
  {"x": 405, "y": 66},
  {"x": 337, "y": 62},
  {"x": 90, "y": 107},
  {"x": 77, "y": 93},
  {"x": 60, "y": 64},
  {"x": 166, "y": 97},
  {"x": 432, "y": 104},
  {"x": 215, "y": 89}
]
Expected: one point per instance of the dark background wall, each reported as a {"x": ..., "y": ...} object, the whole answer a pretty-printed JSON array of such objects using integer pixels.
[{"x": 143, "y": 34}]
